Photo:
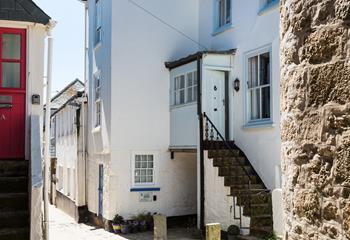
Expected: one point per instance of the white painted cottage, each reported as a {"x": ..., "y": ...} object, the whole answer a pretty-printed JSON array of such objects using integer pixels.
[{"x": 178, "y": 138}]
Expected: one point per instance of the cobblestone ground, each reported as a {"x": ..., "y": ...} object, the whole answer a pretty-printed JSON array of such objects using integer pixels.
[{"x": 63, "y": 227}]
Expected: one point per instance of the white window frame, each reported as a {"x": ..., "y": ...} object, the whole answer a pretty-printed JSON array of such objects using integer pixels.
[
  {"x": 175, "y": 92},
  {"x": 97, "y": 99},
  {"x": 222, "y": 22},
  {"x": 98, "y": 22},
  {"x": 261, "y": 121},
  {"x": 155, "y": 165}
]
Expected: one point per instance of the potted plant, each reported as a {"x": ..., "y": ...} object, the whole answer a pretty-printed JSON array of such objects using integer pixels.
[
  {"x": 149, "y": 221},
  {"x": 125, "y": 227},
  {"x": 232, "y": 232},
  {"x": 117, "y": 223},
  {"x": 142, "y": 222}
]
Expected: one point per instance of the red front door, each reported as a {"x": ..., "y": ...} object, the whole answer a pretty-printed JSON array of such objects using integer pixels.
[{"x": 12, "y": 93}]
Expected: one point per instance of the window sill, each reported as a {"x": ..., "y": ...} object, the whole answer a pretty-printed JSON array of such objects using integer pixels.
[
  {"x": 144, "y": 189},
  {"x": 96, "y": 129},
  {"x": 269, "y": 7},
  {"x": 222, "y": 29},
  {"x": 183, "y": 105},
  {"x": 259, "y": 125}
]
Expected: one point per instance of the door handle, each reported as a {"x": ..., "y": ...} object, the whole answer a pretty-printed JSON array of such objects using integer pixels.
[
  {"x": 5, "y": 105},
  {"x": 215, "y": 109}
]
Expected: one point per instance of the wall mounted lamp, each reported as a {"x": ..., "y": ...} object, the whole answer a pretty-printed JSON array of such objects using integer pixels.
[{"x": 236, "y": 84}]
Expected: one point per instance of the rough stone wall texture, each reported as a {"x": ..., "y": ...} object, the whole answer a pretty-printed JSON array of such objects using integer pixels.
[{"x": 315, "y": 93}]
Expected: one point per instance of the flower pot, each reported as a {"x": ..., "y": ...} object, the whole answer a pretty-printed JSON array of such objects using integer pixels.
[
  {"x": 125, "y": 229},
  {"x": 143, "y": 226},
  {"x": 135, "y": 225},
  {"x": 116, "y": 227}
]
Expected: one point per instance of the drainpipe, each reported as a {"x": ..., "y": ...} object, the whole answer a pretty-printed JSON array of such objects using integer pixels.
[
  {"x": 85, "y": 95},
  {"x": 47, "y": 137}
]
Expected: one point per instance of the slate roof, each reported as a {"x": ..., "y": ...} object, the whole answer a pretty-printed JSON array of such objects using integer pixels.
[
  {"x": 66, "y": 94},
  {"x": 195, "y": 56},
  {"x": 22, "y": 10}
]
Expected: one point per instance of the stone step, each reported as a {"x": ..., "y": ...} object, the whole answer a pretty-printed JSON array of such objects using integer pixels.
[
  {"x": 13, "y": 168},
  {"x": 13, "y": 201},
  {"x": 257, "y": 209},
  {"x": 223, "y": 153},
  {"x": 235, "y": 170},
  {"x": 237, "y": 180},
  {"x": 14, "y": 219},
  {"x": 261, "y": 232},
  {"x": 229, "y": 162},
  {"x": 262, "y": 198},
  {"x": 14, "y": 234},
  {"x": 263, "y": 220},
  {"x": 247, "y": 238},
  {"x": 13, "y": 184}
]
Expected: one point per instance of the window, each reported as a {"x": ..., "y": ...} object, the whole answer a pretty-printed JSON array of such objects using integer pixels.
[
  {"x": 98, "y": 22},
  {"x": 144, "y": 169},
  {"x": 12, "y": 59},
  {"x": 224, "y": 13},
  {"x": 185, "y": 88},
  {"x": 97, "y": 79},
  {"x": 259, "y": 87}
]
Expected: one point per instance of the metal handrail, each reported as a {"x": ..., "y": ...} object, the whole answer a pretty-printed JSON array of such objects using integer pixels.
[{"x": 227, "y": 145}]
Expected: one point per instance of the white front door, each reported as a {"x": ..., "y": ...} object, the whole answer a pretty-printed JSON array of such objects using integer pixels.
[{"x": 216, "y": 99}]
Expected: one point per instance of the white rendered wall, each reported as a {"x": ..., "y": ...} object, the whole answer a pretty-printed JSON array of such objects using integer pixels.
[
  {"x": 135, "y": 104},
  {"x": 250, "y": 31}
]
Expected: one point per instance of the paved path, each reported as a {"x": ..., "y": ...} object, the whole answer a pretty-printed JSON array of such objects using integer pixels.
[{"x": 63, "y": 227}]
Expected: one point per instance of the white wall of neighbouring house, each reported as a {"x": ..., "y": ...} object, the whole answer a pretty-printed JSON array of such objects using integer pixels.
[
  {"x": 66, "y": 151},
  {"x": 136, "y": 107},
  {"x": 251, "y": 30}
]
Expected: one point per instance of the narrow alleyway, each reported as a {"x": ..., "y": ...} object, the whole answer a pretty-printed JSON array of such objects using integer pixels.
[{"x": 63, "y": 227}]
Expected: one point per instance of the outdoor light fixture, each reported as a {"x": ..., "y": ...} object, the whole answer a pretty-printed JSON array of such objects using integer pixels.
[{"x": 236, "y": 84}]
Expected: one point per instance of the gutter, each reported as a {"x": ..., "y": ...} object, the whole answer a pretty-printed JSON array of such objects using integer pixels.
[{"x": 201, "y": 149}]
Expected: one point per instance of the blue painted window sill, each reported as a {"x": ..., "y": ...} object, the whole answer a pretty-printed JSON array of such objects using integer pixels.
[
  {"x": 259, "y": 124},
  {"x": 144, "y": 189},
  {"x": 269, "y": 7},
  {"x": 222, "y": 29}
]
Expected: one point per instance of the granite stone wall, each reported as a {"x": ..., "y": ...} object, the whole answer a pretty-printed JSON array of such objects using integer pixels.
[{"x": 315, "y": 105}]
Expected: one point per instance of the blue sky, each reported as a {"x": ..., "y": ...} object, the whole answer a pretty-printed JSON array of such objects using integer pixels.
[{"x": 68, "y": 58}]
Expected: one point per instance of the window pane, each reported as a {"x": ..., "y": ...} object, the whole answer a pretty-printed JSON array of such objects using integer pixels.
[
  {"x": 195, "y": 89},
  {"x": 182, "y": 97},
  {"x": 253, "y": 71},
  {"x": 265, "y": 68},
  {"x": 149, "y": 179},
  {"x": 138, "y": 164},
  {"x": 150, "y": 165},
  {"x": 143, "y": 179},
  {"x": 182, "y": 81},
  {"x": 195, "y": 77},
  {"x": 137, "y": 172},
  {"x": 150, "y": 158},
  {"x": 149, "y": 172},
  {"x": 11, "y": 75},
  {"x": 143, "y": 172},
  {"x": 137, "y": 179},
  {"x": 144, "y": 164},
  {"x": 11, "y": 46},
  {"x": 265, "y": 98},
  {"x": 228, "y": 11},
  {"x": 255, "y": 104},
  {"x": 189, "y": 79},
  {"x": 189, "y": 94}
]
